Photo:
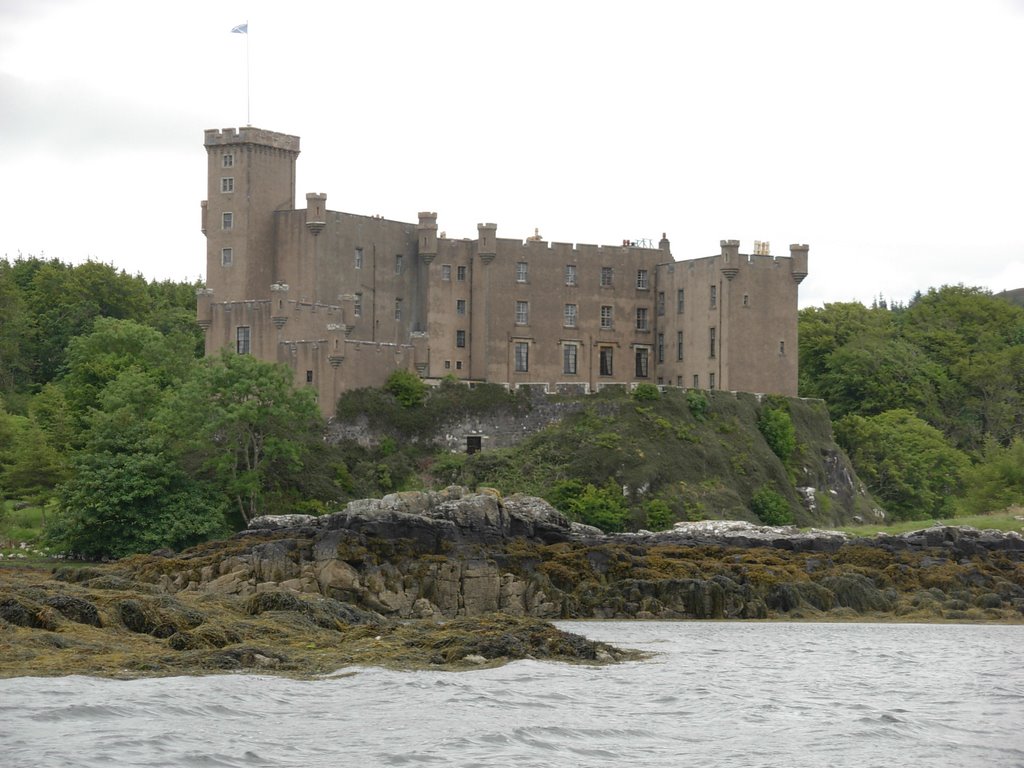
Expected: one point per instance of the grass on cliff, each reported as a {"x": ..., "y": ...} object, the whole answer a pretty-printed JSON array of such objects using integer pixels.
[{"x": 1011, "y": 519}]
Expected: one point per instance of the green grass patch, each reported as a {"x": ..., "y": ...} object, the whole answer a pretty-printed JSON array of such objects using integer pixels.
[{"x": 1010, "y": 520}]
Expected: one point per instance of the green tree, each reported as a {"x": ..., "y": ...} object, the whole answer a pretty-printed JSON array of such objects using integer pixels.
[
  {"x": 118, "y": 504},
  {"x": 14, "y": 332},
  {"x": 906, "y": 463},
  {"x": 822, "y": 330},
  {"x": 996, "y": 481},
  {"x": 407, "y": 387},
  {"x": 241, "y": 421}
]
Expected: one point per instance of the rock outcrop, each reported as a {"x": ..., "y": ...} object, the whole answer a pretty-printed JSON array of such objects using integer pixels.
[{"x": 453, "y": 553}]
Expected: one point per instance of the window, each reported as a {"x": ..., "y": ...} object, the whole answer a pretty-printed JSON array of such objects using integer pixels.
[
  {"x": 447, "y": 364},
  {"x": 661, "y": 303},
  {"x": 641, "y": 318},
  {"x": 606, "y": 361},
  {"x": 679, "y": 301},
  {"x": 460, "y": 273},
  {"x": 521, "y": 271},
  {"x": 746, "y": 299},
  {"x": 359, "y": 258},
  {"x": 641, "y": 362},
  {"x": 398, "y": 263},
  {"x": 226, "y": 257},
  {"x": 570, "y": 316},
  {"x": 782, "y": 347},
  {"x": 460, "y": 306},
  {"x": 357, "y": 305},
  {"x": 229, "y": 160},
  {"x": 711, "y": 342},
  {"x": 661, "y": 347},
  {"x": 242, "y": 340},
  {"x": 679, "y": 346},
  {"x": 398, "y": 309},
  {"x": 522, "y": 312},
  {"x": 446, "y": 272},
  {"x": 696, "y": 381},
  {"x": 679, "y": 381},
  {"x": 309, "y": 377},
  {"x": 460, "y": 338},
  {"x": 522, "y": 356},
  {"x": 606, "y": 277},
  {"x": 227, "y": 184},
  {"x": 714, "y": 296},
  {"x": 458, "y": 365},
  {"x": 641, "y": 279},
  {"x": 569, "y": 358},
  {"x": 227, "y": 220},
  {"x": 711, "y": 381},
  {"x": 570, "y": 274},
  {"x": 606, "y": 317}
]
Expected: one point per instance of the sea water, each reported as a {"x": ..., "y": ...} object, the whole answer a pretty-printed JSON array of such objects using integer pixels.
[{"x": 712, "y": 694}]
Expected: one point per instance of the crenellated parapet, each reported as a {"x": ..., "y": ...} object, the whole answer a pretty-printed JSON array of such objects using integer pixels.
[{"x": 215, "y": 137}]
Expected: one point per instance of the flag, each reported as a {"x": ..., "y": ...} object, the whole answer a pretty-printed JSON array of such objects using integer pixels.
[{"x": 241, "y": 28}]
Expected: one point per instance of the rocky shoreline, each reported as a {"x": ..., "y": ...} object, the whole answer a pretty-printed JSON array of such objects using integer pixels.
[{"x": 457, "y": 579}]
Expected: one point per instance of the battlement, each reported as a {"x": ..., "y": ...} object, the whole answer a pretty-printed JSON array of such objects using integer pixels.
[{"x": 235, "y": 136}]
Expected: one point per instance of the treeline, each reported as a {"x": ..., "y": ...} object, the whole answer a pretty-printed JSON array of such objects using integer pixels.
[
  {"x": 112, "y": 420},
  {"x": 927, "y": 398},
  {"x": 109, "y": 410}
]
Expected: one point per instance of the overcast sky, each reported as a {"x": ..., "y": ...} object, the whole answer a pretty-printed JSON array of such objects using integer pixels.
[{"x": 887, "y": 134}]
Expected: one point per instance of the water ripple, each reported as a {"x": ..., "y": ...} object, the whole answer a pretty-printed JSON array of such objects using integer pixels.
[{"x": 718, "y": 695}]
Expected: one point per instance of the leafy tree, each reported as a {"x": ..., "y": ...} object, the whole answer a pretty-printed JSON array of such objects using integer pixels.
[
  {"x": 906, "y": 463},
  {"x": 996, "y": 481},
  {"x": 14, "y": 331},
  {"x": 822, "y": 330},
  {"x": 240, "y": 420},
  {"x": 121, "y": 503},
  {"x": 407, "y": 387}
]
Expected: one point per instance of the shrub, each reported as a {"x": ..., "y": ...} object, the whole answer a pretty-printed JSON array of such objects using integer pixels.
[
  {"x": 777, "y": 427},
  {"x": 698, "y": 404},
  {"x": 646, "y": 392},
  {"x": 771, "y": 508},
  {"x": 600, "y": 507},
  {"x": 659, "y": 515}
]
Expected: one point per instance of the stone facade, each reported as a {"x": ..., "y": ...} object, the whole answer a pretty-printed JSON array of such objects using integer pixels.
[{"x": 346, "y": 299}]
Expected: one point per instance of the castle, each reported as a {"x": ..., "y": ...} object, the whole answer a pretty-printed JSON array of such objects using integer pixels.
[{"x": 346, "y": 299}]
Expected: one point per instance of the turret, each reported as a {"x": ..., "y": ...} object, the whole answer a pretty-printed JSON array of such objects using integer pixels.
[
  {"x": 426, "y": 235},
  {"x": 663, "y": 244},
  {"x": 487, "y": 242},
  {"x": 730, "y": 258},
  {"x": 316, "y": 212},
  {"x": 798, "y": 261}
]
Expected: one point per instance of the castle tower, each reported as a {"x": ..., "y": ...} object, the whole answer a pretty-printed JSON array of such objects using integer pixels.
[{"x": 250, "y": 174}]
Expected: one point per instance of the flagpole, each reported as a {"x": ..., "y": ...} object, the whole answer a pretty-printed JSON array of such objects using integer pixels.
[
  {"x": 248, "y": 92},
  {"x": 243, "y": 29}
]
